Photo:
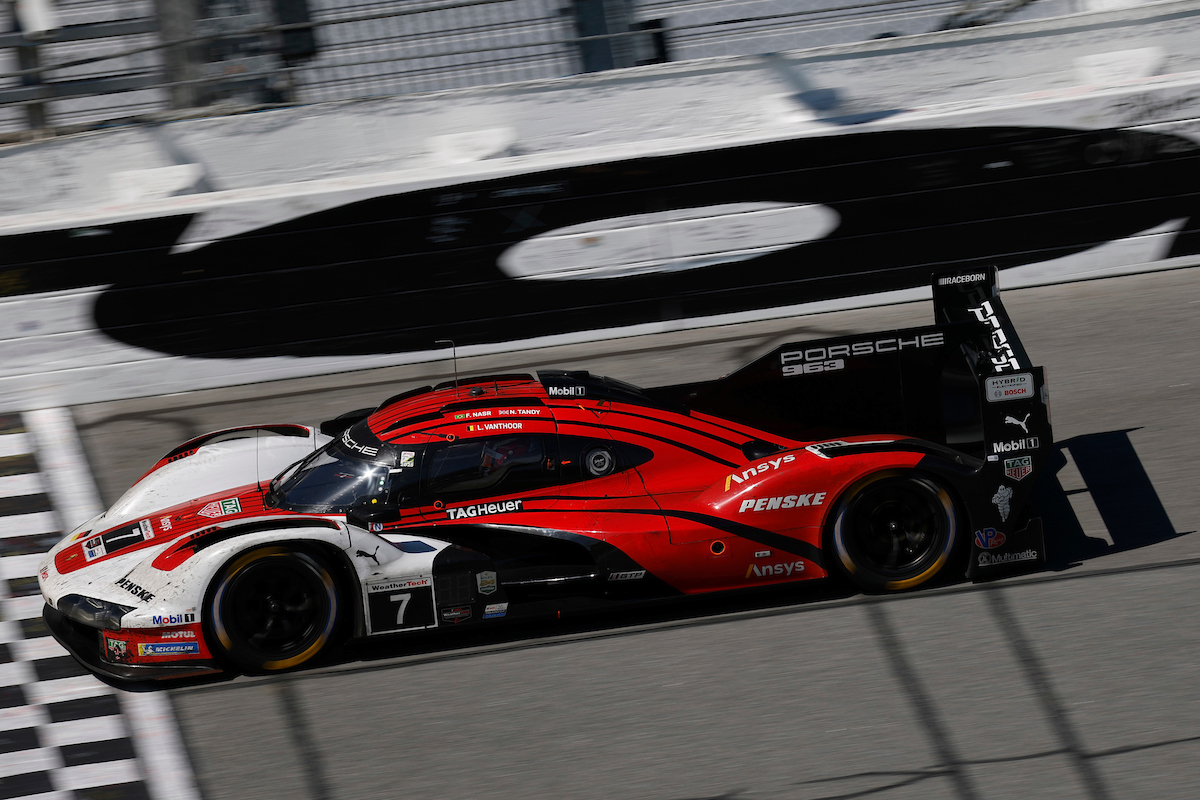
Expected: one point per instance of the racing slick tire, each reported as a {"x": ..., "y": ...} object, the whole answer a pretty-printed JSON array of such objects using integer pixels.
[
  {"x": 893, "y": 531},
  {"x": 272, "y": 609}
]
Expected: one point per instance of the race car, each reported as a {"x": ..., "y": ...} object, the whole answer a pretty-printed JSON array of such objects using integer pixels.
[{"x": 891, "y": 460}]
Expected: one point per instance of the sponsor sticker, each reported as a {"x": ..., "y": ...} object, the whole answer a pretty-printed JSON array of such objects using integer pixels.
[
  {"x": 167, "y": 648},
  {"x": 989, "y": 538},
  {"x": 456, "y": 615},
  {"x": 762, "y": 553},
  {"x": 495, "y": 610},
  {"x": 147, "y": 529},
  {"x": 566, "y": 391},
  {"x": 219, "y": 508},
  {"x": 1022, "y": 423},
  {"x": 1018, "y": 468},
  {"x": 117, "y": 650},
  {"x": 1015, "y": 445},
  {"x": 172, "y": 619},
  {"x": 484, "y": 509},
  {"x": 45, "y": 574},
  {"x": 178, "y": 634},
  {"x": 395, "y": 585},
  {"x": 486, "y": 581},
  {"x": 1001, "y": 500},
  {"x": 407, "y": 458},
  {"x": 94, "y": 548},
  {"x": 774, "y": 570},
  {"x": 629, "y": 575},
  {"x": 998, "y": 559},
  {"x": 785, "y": 501},
  {"x": 164, "y": 523},
  {"x": 134, "y": 589},
  {"x": 770, "y": 464},
  {"x": 1009, "y": 387},
  {"x": 956, "y": 279}
]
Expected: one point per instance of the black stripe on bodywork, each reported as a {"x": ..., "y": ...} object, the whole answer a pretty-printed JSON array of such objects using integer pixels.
[
  {"x": 663, "y": 439},
  {"x": 970, "y": 463},
  {"x": 776, "y": 541},
  {"x": 675, "y": 424}
]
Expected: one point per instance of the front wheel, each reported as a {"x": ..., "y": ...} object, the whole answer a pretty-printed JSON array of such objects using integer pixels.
[
  {"x": 271, "y": 609},
  {"x": 894, "y": 531}
]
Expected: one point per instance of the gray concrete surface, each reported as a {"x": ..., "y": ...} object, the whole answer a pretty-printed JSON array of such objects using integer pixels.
[{"x": 1078, "y": 683}]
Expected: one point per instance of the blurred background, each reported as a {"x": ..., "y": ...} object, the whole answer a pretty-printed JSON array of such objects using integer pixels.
[{"x": 217, "y": 213}]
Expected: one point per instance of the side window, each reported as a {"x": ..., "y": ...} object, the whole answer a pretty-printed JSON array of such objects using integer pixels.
[{"x": 485, "y": 467}]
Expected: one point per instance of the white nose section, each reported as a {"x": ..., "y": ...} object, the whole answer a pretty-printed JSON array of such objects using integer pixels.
[{"x": 667, "y": 241}]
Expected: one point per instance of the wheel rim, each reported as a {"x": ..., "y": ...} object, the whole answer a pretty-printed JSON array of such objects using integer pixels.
[
  {"x": 896, "y": 528},
  {"x": 278, "y": 609}
]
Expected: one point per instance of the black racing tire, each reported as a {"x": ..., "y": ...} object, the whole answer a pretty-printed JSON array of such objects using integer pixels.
[
  {"x": 272, "y": 609},
  {"x": 893, "y": 531}
]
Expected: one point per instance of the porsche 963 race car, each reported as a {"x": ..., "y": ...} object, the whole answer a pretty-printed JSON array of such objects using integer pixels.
[{"x": 889, "y": 459}]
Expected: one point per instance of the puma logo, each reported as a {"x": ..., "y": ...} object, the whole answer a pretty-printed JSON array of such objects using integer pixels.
[
  {"x": 1020, "y": 422},
  {"x": 365, "y": 554}
]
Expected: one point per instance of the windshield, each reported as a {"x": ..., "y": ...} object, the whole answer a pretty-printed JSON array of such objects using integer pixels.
[{"x": 333, "y": 479}]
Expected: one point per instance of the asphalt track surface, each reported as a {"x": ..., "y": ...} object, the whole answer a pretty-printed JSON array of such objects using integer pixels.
[{"x": 1080, "y": 682}]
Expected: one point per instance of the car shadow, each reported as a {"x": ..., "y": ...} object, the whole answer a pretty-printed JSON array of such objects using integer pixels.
[{"x": 1116, "y": 482}]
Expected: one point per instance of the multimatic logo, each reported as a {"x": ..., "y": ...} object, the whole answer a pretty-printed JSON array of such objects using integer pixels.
[
  {"x": 134, "y": 589},
  {"x": 566, "y": 391},
  {"x": 1005, "y": 358},
  {"x": 832, "y": 358},
  {"x": 998, "y": 559},
  {"x": 484, "y": 509}
]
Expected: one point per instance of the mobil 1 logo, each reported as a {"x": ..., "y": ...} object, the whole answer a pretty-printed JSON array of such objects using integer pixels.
[{"x": 398, "y": 608}]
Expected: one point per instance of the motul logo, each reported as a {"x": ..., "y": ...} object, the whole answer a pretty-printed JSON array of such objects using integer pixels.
[{"x": 771, "y": 570}]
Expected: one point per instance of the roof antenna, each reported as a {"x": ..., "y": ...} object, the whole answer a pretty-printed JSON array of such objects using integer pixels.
[{"x": 454, "y": 356}]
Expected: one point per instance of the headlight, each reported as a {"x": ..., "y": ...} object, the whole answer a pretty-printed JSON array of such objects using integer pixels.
[{"x": 93, "y": 613}]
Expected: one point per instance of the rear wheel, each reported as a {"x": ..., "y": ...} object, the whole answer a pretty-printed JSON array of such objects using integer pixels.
[
  {"x": 894, "y": 531},
  {"x": 272, "y": 608}
]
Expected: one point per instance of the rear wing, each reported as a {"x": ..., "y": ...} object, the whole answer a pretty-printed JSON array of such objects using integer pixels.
[{"x": 957, "y": 382}]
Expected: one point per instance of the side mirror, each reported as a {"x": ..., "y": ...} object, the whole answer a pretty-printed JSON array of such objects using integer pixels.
[{"x": 365, "y": 511}]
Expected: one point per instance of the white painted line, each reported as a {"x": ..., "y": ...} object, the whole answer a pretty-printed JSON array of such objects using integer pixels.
[
  {"x": 50, "y": 796},
  {"x": 60, "y": 456},
  {"x": 17, "y": 717},
  {"x": 28, "y": 524},
  {"x": 14, "y": 444},
  {"x": 20, "y": 566},
  {"x": 16, "y": 673},
  {"x": 159, "y": 746},
  {"x": 105, "y": 773},
  {"x": 28, "y": 607},
  {"x": 64, "y": 689},
  {"x": 22, "y": 761},
  {"x": 78, "y": 731},
  {"x": 18, "y": 485},
  {"x": 35, "y": 649}
]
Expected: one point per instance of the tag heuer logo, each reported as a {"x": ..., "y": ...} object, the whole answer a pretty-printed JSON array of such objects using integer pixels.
[
  {"x": 1018, "y": 468},
  {"x": 219, "y": 508}
]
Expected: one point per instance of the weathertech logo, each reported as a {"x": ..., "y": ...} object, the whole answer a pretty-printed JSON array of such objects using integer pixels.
[
  {"x": 788, "y": 501},
  {"x": 766, "y": 466},
  {"x": 773, "y": 570},
  {"x": 483, "y": 509}
]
